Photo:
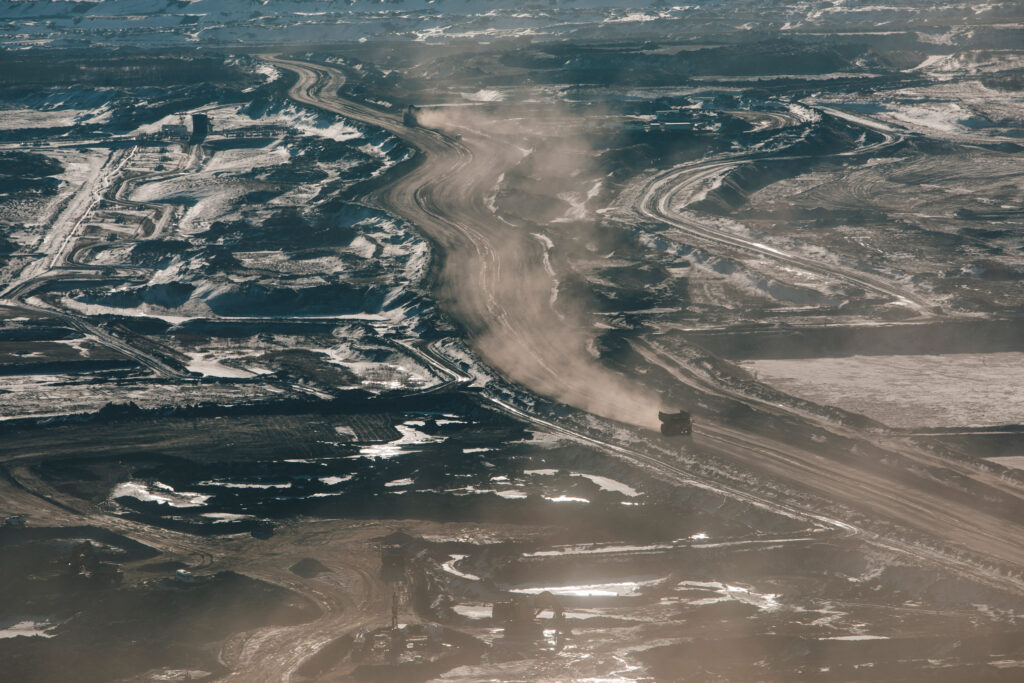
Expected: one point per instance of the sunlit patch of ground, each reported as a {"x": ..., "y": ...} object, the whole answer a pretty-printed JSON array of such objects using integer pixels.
[{"x": 908, "y": 391}]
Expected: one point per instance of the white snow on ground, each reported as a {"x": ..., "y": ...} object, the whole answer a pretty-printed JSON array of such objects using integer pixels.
[
  {"x": 49, "y": 395},
  {"x": 635, "y": 18},
  {"x": 484, "y": 96},
  {"x": 214, "y": 198},
  {"x": 144, "y": 311},
  {"x": 970, "y": 62},
  {"x": 15, "y": 119},
  {"x": 222, "y": 517},
  {"x": 381, "y": 239},
  {"x": 859, "y": 120},
  {"x": 714, "y": 281},
  {"x": 334, "y": 481},
  {"x": 154, "y": 126},
  {"x": 231, "y": 117},
  {"x": 180, "y": 187},
  {"x": 944, "y": 108},
  {"x": 39, "y": 214},
  {"x": 310, "y": 22},
  {"x": 929, "y": 62},
  {"x": 563, "y": 551},
  {"x": 208, "y": 367},
  {"x": 244, "y": 160},
  {"x": 577, "y": 202},
  {"x": 610, "y": 589},
  {"x": 947, "y": 38},
  {"x": 803, "y": 113},
  {"x": 449, "y": 567},
  {"x": 27, "y": 628},
  {"x": 767, "y": 248},
  {"x": 478, "y": 610},
  {"x": 362, "y": 246},
  {"x": 474, "y": 611},
  {"x": 271, "y": 72},
  {"x": 725, "y": 592},
  {"x": 862, "y": 636},
  {"x": 406, "y": 444},
  {"x": 566, "y": 499},
  {"x": 158, "y": 493},
  {"x": 708, "y": 183},
  {"x": 604, "y": 483},
  {"x": 312, "y": 123},
  {"x": 953, "y": 390},
  {"x": 241, "y": 485},
  {"x": 938, "y": 116}
]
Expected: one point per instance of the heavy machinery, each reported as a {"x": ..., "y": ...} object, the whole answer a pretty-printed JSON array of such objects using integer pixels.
[
  {"x": 200, "y": 128},
  {"x": 676, "y": 424},
  {"x": 392, "y": 562},
  {"x": 82, "y": 559},
  {"x": 411, "y": 116},
  {"x": 83, "y": 564},
  {"x": 518, "y": 616}
]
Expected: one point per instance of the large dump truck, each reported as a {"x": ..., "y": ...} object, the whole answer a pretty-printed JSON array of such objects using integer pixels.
[
  {"x": 411, "y": 116},
  {"x": 676, "y": 424}
]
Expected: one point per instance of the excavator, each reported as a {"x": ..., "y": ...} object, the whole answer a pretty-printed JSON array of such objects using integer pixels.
[{"x": 676, "y": 424}]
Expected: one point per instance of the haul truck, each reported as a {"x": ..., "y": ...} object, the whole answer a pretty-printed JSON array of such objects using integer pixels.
[{"x": 676, "y": 424}]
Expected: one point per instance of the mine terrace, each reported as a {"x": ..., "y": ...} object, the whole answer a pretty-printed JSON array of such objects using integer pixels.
[{"x": 470, "y": 341}]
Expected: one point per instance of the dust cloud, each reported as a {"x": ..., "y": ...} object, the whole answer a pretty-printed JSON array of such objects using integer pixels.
[{"x": 508, "y": 289}]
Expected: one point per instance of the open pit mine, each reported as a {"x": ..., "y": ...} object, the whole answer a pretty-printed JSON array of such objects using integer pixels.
[{"x": 464, "y": 341}]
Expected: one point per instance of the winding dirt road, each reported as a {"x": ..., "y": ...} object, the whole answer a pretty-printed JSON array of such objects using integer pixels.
[
  {"x": 667, "y": 193},
  {"x": 492, "y": 278},
  {"x": 494, "y": 282}
]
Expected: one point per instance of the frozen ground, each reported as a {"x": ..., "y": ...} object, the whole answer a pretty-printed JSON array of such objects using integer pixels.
[
  {"x": 246, "y": 274},
  {"x": 434, "y": 21},
  {"x": 46, "y": 396},
  {"x": 79, "y": 165},
  {"x": 966, "y": 110},
  {"x": 908, "y": 391},
  {"x": 248, "y": 227}
]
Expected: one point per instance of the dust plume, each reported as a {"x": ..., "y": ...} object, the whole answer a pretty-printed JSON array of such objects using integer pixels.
[
  {"x": 503, "y": 285},
  {"x": 548, "y": 352}
]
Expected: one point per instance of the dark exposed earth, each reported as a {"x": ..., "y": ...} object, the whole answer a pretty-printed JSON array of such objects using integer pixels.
[{"x": 333, "y": 342}]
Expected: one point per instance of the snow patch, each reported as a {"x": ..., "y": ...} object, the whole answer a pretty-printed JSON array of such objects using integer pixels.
[{"x": 158, "y": 492}]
